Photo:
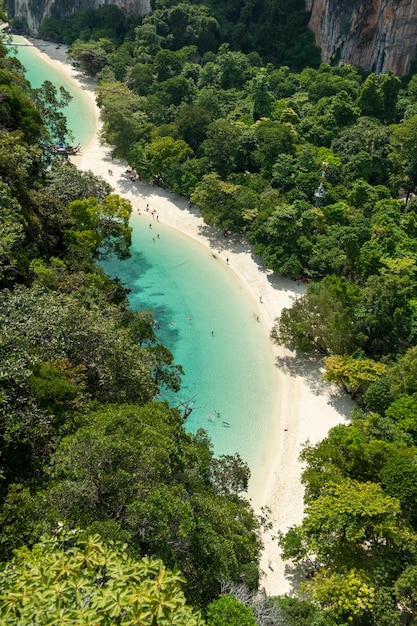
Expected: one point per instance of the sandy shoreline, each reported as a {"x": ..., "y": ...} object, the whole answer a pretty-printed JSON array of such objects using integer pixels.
[{"x": 306, "y": 408}]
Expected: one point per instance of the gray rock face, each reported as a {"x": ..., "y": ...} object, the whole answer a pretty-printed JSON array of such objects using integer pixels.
[
  {"x": 33, "y": 12},
  {"x": 379, "y": 35}
]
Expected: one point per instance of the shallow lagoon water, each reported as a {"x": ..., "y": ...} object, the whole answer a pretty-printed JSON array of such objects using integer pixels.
[
  {"x": 205, "y": 317},
  {"x": 208, "y": 320},
  {"x": 80, "y": 111}
]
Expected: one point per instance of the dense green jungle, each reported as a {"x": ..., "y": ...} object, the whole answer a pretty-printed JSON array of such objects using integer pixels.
[{"x": 112, "y": 513}]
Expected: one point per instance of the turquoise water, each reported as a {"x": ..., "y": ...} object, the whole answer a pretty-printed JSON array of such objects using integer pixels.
[
  {"x": 80, "y": 112},
  {"x": 208, "y": 320},
  {"x": 205, "y": 317}
]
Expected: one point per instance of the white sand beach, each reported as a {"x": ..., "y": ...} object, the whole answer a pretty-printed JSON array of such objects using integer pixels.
[{"x": 306, "y": 407}]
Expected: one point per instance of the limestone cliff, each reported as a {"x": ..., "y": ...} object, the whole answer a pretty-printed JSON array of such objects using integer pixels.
[
  {"x": 379, "y": 35},
  {"x": 33, "y": 12}
]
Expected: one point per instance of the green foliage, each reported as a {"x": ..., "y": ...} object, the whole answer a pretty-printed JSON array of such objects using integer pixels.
[
  {"x": 404, "y": 152},
  {"x": 72, "y": 581},
  {"x": 355, "y": 375},
  {"x": 53, "y": 387},
  {"x": 166, "y": 157},
  {"x": 403, "y": 411},
  {"x": 222, "y": 145},
  {"x": 101, "y": 227},
  {"x": 107, "y": 21},
  {"x": 372, "y": 139},
  {"x": 358, "y": 535},
  {"x": 192, "y": 122},
  {"x": 347, "y": 597},
  {"x": 386, "y": 313},
  {"x": 125, "y": 123},
  {"x": 18, "y": 162},
  {"x": 273, "y": 139},
  {"x": 49, "y": 100},
  {"x": 68, "y": 183},
  {"x": 17, "y": 113},
  {"x": 378, "y": 96},
  {"x": 371, "y": 98},
  {"x": 69, "y": 351},
  {"x": 378, "y": 395},
  {"x": 398, "y": 477},
  {"x": 355, "y": 536},
  {"x": 17, "y": 519},
  {"x": 348, "y": 519},
  {"x": 92, "y": 56},
  {"x": 230, "y": 474},
  {"x": 12, "y": 231},
  {"x": 405, "y": 590},
  {"x": 51, "y": 29},
  {"x": 228, "y": 611},
  {"x": 167, "y": 64},
  {"x": 322, "y": 319},
  {"x": 141, "y": 78},
  {"x": 355, "y": 451},
  {"x": 217, "y": 200},
  {"x": 137, "y": 466},
  {"x": 277, "y": 31},
  {"x": 182, "y": 24},
  {"x": 302, "y": 612}
]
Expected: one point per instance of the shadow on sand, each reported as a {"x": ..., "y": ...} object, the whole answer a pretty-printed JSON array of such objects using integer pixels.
[
  {"x": 310, "y": 367},
  {"x": 297, "y": 574}
]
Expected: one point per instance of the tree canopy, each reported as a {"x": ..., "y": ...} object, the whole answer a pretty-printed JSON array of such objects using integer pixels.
[{"x": 69, "y": 580}]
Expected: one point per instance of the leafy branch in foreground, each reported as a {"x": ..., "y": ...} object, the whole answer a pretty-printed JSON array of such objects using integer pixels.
[{"x": 66, "y": 580}]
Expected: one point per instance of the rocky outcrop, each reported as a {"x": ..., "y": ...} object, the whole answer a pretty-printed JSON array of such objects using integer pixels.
[
  {"x": 33, "y": 12},
  {"x": 379, "y": 35}
]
